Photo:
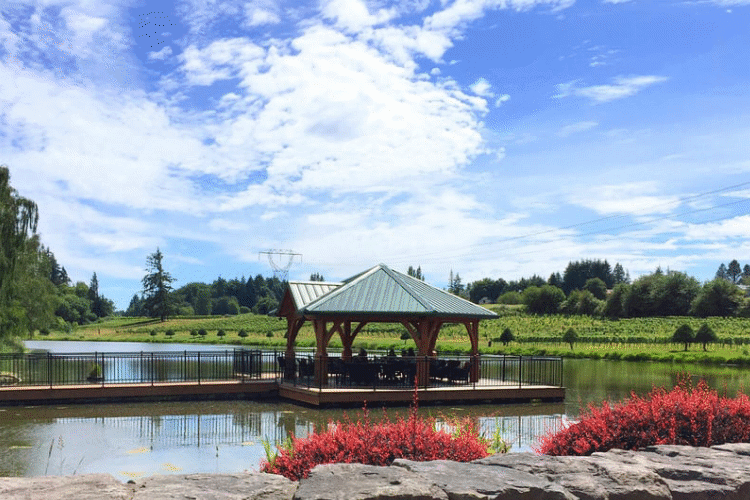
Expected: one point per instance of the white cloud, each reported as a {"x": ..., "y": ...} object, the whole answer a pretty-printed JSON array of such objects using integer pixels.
[
  {"x": 502, "y": 98},
  {"x": 354, "y": 15},
  {"x": 482, "y": 88},
  {"x": 160, "y": 55},
  {"x": 634, "y": 198},
  {"x": 575, "y": 128},
  {"x": 621, "y": 88}
]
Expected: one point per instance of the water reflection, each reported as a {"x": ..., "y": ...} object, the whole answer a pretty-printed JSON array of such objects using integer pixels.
[
  {"x": 140, "y": 439},
  {"x": 135, "y": 440}
]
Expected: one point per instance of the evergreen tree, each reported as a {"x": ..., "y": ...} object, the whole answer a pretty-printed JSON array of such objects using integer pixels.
[
  {"x": 722, "y": 273},
  {"x": 135, "y": 308},
  {"x": 203, "y": 305},
  {"x": 316, "y": 277},
  {"x": 734, "y": 271},
  {"x": 619, "y": 275},
  {"x": 157, "y": 287}
]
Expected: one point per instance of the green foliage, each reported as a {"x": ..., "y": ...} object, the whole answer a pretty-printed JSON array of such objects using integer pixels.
[
  {"x": 543, "y": 300},
  {"x": 226, "y": 305},
  {"x": 570, "y": 337},
  {"x": 717, "y": 298},
  {"x": 577, "y": 273},
  {"x": 683, "y": 335},
  {"x": 152, "y": 333},
  {"x": 242, "y": 333},
  {"x": 596, "y": 287},
  {"x": 507, "y": 336},
  {"x": 704, "y": 335},
  {"x": 581, "y": 302},
  {"x": 510, "y": 298},
  {"x": 220, "y": 333},
  {"x": 202, "y": 332},
  {"x": 157, "y": 285},
  {"x": 265, "y": 305},
  {"x": 169, "y": 333}
]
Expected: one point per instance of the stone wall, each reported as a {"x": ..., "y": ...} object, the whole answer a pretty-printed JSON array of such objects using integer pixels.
[{"x": 659, "y": 472}]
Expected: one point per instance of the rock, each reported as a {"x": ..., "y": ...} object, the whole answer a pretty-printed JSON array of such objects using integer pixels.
[
  {"x": 694, "y": 473},
  {"x": 588, "y": 478},
  {"x": 365, "y": 482},
  {"x": 83, "y": 487},
  {"x": 738, "y": 448},
  {"x": 257, "y": 486},
  {"x": 474, "y": 481}
]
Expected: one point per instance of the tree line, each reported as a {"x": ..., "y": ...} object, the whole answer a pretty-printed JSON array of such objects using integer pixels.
[
  {"x": 36, "y": 293},
  {"x": 258, "y": 295},
  {"x": 592, "y": 287}
]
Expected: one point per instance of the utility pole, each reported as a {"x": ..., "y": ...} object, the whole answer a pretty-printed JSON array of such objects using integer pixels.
[{"x": 280, "y": 271}]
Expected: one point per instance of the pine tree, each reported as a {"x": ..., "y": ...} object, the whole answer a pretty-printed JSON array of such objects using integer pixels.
[
  {"x": 722, "y": 272},
  {"x": 734, "y": 271},
  {"x": 157, "y": 286}
]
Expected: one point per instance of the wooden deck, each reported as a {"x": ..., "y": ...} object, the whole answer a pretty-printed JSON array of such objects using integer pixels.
[
  {"x": 431, "y": 395},
  {"x": 271, "y": 388}
]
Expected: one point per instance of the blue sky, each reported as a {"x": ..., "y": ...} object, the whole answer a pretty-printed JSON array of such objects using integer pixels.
[{"x": 494, "y": 138}]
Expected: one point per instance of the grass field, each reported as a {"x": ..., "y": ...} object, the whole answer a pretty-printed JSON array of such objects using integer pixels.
[{"x": 630, "y": 339}]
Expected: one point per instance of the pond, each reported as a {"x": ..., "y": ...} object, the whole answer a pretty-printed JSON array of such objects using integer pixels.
[{"x": 130, "y": 440}]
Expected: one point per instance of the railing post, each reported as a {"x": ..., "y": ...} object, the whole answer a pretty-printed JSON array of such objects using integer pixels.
[
  {"x": 49, "y": 369},
  {"x": 199, "y": 368},
  {"x": 520, "y": 371},
  {"x": 151, "y": 371}
]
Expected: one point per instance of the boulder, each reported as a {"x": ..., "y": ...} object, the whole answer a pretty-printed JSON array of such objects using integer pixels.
[
  {"x": 366, "y": 482},
  {"x": 693, "y": 473},
  {"x": 588, "y": 478},
  {"x": 257, "y": 486},
  {"x": 474, "y": 481},
  {"x": 83, "y": 487}
]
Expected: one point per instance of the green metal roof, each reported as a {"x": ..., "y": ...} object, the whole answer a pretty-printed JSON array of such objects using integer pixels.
[
  {"x": 383, "y": 291},
  {"x": 304, "y": 292}
]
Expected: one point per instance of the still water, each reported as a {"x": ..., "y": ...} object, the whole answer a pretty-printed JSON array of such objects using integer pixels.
[{"x": 140, "y": 439}]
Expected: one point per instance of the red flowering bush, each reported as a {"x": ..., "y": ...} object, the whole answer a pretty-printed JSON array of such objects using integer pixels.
[
  {"x": 381, "y": 443},
  {"x": 686, "y": 415}
]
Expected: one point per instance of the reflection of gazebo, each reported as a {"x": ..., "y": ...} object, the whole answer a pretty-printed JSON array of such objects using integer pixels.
[{"x": 380, "y": 295}]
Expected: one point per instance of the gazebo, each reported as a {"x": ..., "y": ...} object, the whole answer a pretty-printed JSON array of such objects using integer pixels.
[{"x": 378, "y": 295}]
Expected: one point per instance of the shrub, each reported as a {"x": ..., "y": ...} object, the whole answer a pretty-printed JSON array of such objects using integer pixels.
[
  {"x": 193, "y": 333},
  {"x": 169, "y": 333},
  {"x": 376, "y": 444},
  {"x": 152, "y": 333},
  {"x": 704, "y": 335},
  {"x": 570, "y": 337},
  {"x": 269, "y": 334},
  {"x": 684, "y": 416},
  {"x": 507, "y": 336},
  {"x": 242, "y": 333},
  {"x": 683, "y": 335},
  {"x": 202, "y": 332},
  {"x": 220, "y": 333}
]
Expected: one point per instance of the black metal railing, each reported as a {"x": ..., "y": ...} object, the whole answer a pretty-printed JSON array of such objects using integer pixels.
[
  {"x": 400, "y": 372},
  {"x": 51, "y": 369},
  {"x": 40, "y": 369}
]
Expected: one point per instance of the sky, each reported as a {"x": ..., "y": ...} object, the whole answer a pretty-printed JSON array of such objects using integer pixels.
[{"x": 493, "y": 138}]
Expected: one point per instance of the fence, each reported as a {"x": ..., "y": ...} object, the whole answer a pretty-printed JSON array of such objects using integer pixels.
[
  {"x": 399, "y": 372},
  {"x": 47, "y": 369},
  {"x": 40, "y": 369}
]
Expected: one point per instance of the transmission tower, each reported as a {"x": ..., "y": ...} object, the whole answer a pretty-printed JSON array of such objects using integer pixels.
[{"x": 280, "y": 271}]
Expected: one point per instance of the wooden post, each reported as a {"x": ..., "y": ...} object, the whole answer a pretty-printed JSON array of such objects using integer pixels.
[
  {"x": 292, "y": 329},
  {"x": 472, "y": 327}
]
